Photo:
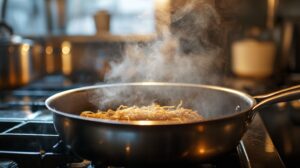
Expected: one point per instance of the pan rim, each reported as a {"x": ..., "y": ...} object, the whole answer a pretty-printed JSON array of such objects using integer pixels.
[{"x": 244, "y": 95}]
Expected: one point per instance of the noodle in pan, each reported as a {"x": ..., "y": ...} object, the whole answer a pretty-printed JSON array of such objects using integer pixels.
[{"x": 153, "y": 112}]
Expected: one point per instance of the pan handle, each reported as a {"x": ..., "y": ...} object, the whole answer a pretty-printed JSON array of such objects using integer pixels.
[{"x": 288, "y": 94}]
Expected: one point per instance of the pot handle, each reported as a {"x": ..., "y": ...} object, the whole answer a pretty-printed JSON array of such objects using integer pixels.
[{"x": 288, "y": 94}]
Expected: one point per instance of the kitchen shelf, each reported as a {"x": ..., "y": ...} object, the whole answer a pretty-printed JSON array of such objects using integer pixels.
[{"x": 97, "y": 38}]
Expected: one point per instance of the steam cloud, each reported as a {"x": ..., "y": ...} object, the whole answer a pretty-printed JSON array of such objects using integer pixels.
[{"x": 189, "y": 52}]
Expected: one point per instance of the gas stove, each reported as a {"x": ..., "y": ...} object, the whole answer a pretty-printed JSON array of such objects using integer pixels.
[{"x": 28, "y": 137}]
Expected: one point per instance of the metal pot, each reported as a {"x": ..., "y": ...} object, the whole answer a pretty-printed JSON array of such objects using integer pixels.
[
  {"x": 21, "y": 61},
  {"x": 227, "y": 114},
  {"x": 17, "y": 62}
]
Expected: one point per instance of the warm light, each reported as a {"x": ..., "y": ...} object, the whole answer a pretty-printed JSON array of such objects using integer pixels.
[
  {"x": 163, "y": 18},
  {"x": 269, "y": 147},
  {"x": 25, "y": 48},
  {"x": 13, "y": 73},
  {"x": 296, "y": 104},
  {"x": 271, "y": 13},
  {"x": 144, "y": 122},
  {"x": 127, "y": 149},
  {"x": 162, "y": 4},
  {"x": 66, "y": 64},
  {"x": 65, "y": 50},
  {"x": 24, "y": 53},
  {"x": 66, "y": 57},
  {"x": 281, "y": 105},
  {"x": 66, "y": 47},
  {"x": 201, "y": 150},
  {"x": 49, "y": 50},
  {"x": 49, "y": 59}
]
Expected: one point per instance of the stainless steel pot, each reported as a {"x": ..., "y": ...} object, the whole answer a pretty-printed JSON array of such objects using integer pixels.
[
  {"x": 16, "y": 66},
  {"x": 19, "y": 65},
  {"x": 227, "y": 115}
]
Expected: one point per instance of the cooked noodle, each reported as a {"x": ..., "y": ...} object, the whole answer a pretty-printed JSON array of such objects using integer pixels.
[{"x": 154, "y": 112}]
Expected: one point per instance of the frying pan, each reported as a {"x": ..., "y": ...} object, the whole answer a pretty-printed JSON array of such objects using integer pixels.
[{"x": 227, "y": 114}]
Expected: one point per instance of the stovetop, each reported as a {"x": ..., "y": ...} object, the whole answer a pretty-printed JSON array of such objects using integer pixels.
[{"x": 28, "y": 137}]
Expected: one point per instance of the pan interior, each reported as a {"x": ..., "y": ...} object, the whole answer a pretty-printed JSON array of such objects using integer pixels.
[{"x": 209, "y": 101}]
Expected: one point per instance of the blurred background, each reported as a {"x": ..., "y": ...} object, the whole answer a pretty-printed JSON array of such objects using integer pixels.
[
  {"x": 250, "y": 45},
  {"x": 258, "y": 40},
  {"x": 50, "y": 17}
]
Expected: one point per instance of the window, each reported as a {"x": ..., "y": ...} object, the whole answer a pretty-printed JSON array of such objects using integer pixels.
[
  {"x": 26, "y": 17},
  {"x": 126, "y": 16},
  {"x": 76, "y": 17}
]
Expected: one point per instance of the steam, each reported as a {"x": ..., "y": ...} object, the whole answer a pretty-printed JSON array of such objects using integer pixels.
[{"x": 188, "y": 52}]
